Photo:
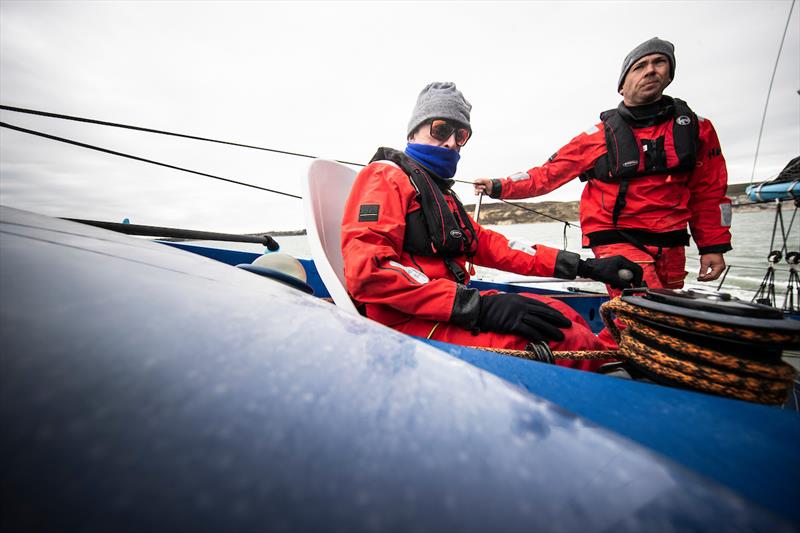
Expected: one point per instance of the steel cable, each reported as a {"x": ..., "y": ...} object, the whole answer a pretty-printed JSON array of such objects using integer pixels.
[
  {"x": 160, "y": 132},
  {"x": 137, "y": 158}
]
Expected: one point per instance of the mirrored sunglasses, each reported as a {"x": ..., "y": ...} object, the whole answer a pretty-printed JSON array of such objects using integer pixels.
[{"x": 442, "y": 129}]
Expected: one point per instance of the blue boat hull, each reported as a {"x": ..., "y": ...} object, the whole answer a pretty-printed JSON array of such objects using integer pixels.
[{"x": 145, "y": 388}]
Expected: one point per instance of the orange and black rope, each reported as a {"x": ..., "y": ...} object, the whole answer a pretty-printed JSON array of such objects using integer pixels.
[{"x": 648, "y": 344}]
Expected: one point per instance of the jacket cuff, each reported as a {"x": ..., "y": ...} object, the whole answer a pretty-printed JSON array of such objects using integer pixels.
[
  {"x": 566, "y": 265},
  {"x": 497, "y": 189},
  {"x": 466, "y": 307},
  {"x": 715, "y": 249}
]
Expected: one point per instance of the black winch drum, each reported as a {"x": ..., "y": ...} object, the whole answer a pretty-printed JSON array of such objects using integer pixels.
[
  {"x": 723, "y": 310},
  {"x": 715, "y": 307}
]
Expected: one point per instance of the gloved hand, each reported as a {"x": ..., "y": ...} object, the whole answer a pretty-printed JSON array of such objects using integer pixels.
[
  {"x": 608, "y": 270},
  {"x": 529, "y": 318}
]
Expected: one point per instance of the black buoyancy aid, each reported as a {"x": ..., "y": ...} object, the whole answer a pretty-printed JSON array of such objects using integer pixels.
[
  {"x": 626, "y": 156},
  {"x": 433, "y": 230}
]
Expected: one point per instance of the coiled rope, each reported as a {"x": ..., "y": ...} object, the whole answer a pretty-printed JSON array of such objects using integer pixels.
[{"x": 684, "y": 352}]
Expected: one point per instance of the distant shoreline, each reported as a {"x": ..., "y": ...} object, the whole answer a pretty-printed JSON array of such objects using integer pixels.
[
  {"x": 282, "y": 233},
  {"x": 502, "y": 214}
]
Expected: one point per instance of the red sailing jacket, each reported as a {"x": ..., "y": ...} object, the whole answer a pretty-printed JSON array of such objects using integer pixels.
[
  {"x": 394, "y": 285},
  {"x": 656, "y": 204}
]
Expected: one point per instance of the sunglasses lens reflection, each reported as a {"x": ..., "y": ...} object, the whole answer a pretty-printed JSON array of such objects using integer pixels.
[{"x": 441, "y": 130}]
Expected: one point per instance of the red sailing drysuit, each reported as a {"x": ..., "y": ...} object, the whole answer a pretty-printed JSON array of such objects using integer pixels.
[
  {"x": 416, "y": 294},
  {"x": 658, "y": 206}
]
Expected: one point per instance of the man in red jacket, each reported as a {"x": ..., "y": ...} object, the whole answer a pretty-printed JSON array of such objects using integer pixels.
[
  {"x": 651, "y": 167},
  {"x": 406, "y": 240}
]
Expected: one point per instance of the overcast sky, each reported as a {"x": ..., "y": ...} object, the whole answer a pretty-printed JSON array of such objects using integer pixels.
[{"x": 339, "y": 79}]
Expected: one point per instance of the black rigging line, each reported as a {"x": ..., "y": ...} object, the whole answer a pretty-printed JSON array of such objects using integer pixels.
[
  {"x": 769, "y": 91},
  {"x": 193, "y": 137},
  {"x": 525, "y": 208},
  {"x": 538, "y": 213},
  {"x": 177, "y": 233},
  {"x": 121, "y": 154},
  {"x": 160, "y": 132}
]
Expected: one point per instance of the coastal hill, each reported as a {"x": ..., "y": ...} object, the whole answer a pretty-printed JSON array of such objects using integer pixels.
[{"x": 503, "y": 214}]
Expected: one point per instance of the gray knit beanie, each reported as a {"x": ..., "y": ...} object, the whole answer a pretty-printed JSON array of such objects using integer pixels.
[
  {"x": 440, "y": 99},
  {"x": 653, "y": 46}
]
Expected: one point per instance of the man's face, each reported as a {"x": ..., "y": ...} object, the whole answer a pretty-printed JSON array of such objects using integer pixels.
[{"x": 646, "y": 80}]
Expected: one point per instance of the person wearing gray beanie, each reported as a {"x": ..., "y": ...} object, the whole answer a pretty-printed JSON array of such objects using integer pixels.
[
  {"x": 647, "y": 70},
  {"x": 407, "y": 240},
  {"x": 649, "y": 47},
  {"x": 653, "y": 170},
  {"x": 440, "y": 100}
]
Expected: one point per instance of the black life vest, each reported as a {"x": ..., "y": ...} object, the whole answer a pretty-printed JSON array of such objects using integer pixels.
[
  {"x": 433, "y": 230},
  {"x": 625, "y": 155}
]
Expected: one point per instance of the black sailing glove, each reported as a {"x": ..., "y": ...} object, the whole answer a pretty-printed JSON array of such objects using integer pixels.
[
  {"x": 529, "y": 318},
  {"x": 612, "y": 270}
]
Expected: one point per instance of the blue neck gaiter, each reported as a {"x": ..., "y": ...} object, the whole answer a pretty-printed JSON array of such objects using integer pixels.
[{"x": 440, "y": 161}]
